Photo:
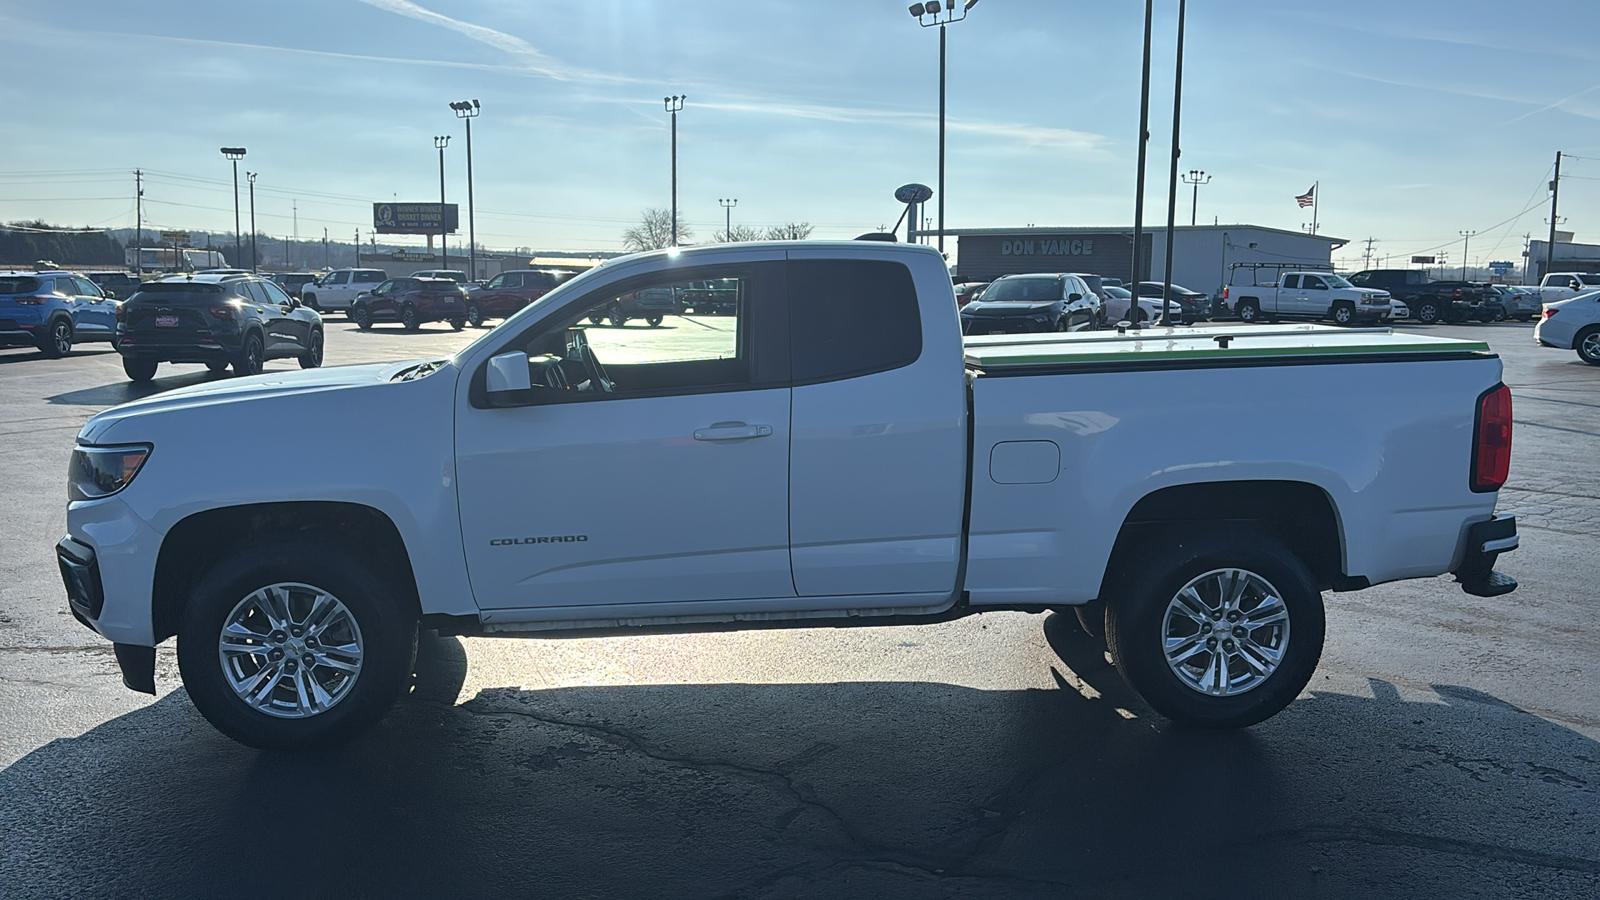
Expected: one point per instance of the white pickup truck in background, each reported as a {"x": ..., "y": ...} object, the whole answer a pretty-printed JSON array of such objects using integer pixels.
[
  {"x": 831, "y": 456},
  {"x": 1308, "y": 295},
  {"x": 1559, "y": 286}
]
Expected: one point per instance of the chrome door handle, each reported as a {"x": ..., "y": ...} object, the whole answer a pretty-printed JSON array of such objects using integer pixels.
[{"x": 732, "y": 431}]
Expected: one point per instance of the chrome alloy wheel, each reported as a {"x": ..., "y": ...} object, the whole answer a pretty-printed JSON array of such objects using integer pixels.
[
  {"x": 1589, "y": 347},
  {"x": 290, "y": 650},
  {"x": 1225, "y": 632}
]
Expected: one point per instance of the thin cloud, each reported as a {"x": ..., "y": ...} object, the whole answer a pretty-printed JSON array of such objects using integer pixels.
[
  {"x": 1558, "y": 104},
  {"x": 1031, "y": 135}
]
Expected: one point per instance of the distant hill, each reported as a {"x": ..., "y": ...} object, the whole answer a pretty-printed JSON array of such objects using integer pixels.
[{"x": 24, "y": 243}]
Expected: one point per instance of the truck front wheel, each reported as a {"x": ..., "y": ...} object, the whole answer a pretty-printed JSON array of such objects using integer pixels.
[
  {"x": 292, "y": 645},
  {"x": 1221, "y": 629},
  {"x": 1343, "y": 313}
]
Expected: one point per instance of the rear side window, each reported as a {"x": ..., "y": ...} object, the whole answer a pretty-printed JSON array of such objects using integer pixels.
[
  {"x": 257, "y": 292},
  {"x": 12, "y": 284},
  {"x": 513, "y": 279},
  {"x": 850, "y": 317},
  {"x": 1291, "y": 281},
  {"x": 369, "y": 277}
]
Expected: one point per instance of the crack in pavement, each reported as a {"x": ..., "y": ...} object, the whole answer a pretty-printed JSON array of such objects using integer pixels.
[{"x": 1390, "y": 837}]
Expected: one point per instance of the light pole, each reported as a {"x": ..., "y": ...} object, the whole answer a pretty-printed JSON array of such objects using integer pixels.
[
  {"x": 727, "y": 209},
  {"x": 941, "y": 16},
  {"x": 469, "y": 109},
  {"x": 444, "y": 254},
  {"x": 1466, "y": 239},
  {"x": 1144, "y": 140},
  {"x": 235, "y": 154},
  {"x": 674, "y": 105},
  {"x": 1172, "y": 177},
  {"x": 1195, "y": 177},
  {"x": 253, "y": 255}
]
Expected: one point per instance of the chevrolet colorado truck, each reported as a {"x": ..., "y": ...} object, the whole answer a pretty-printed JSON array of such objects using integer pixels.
[{"x": 836, "y": 456}]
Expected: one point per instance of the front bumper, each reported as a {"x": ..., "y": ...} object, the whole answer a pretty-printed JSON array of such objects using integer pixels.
[
  {"x": 1006, "y": 325},
  {"x": 1485, "y": 542},
  {"x": 80, "y": 573}
]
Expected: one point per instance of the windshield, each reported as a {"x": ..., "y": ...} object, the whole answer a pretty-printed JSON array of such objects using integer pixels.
[
  {"x": 1034, "y": 290},
  {"x": 1337, "y": 281},
  {"x": 1590, "y": 279}
]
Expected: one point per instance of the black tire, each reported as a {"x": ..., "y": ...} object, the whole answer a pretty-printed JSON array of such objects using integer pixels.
[
  {"x": 618, "y": 317},
  {"x": 56, "y": 341},
  {"x": 312, "y": 358},
  {"x": 217, "y": 366},
  {"x": 1249, "y": 312},
  {"x": 140, "y": 370},
  {"x": 362, "y": 316},
  {"x": 1499, "y": 314},
  {"x": 410, "y": 318},
  {"x": 383, "y": 615},
  {"x": 1343, "y": 313},
  {"x": 653, "y": 321},
  {"x": 1137, "y": 622},
  {"x": 596, "y": 320},
  {"x": 1427, "y": 311},
  {"x": 311, "y": 303},
  {"x": 1587, "y": 343},
  {"x": 252, "y": 356},
  {"x": 350, "y": 313},
  {"x": 475, "y": 315}
]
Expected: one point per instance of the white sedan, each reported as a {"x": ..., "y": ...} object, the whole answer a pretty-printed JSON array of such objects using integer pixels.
[
  {"x": 1572, "y": 324},
  {"x": 1397, "y": 310}
]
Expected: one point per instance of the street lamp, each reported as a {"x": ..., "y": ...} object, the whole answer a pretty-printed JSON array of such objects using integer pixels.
[
  {"x": 1195, "y": 177},
  {"x": 444, "y": 254},
  {"x": 727, "y": 208},
  {"x": 941, "y": 16},
  {"x": 1172, "y": 176},
  {"x": 469, "y": 109},
  {"x": 235, "y": 154},
  {"x": 253, "y": 254},
  {"x": 674, "y": 105},
  {"x": 1144, "y": 141}
]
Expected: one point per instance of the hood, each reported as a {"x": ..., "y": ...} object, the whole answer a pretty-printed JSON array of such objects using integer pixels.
[
  {"x": 1373, "y": 291},
  {"x": 1008, "y": 307},
  {"x": 233, "y": 393}
]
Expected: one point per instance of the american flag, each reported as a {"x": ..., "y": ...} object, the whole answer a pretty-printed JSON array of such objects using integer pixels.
[{"x": 1307, "y": 198}]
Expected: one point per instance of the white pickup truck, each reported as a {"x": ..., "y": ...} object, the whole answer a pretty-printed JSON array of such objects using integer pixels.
[
  {"x": 828, "y": 454},
  {"x": 1308, "y": 295},
  {"x": 340, "y": 288},
  {"x": 1558, "y": 286}
]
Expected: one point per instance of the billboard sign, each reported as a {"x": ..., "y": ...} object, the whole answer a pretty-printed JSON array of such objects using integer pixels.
[
  {"x": 180, "y": 238},
  {"x": 1422, "y": 260},
  {"x": 415, "y": 218},
  {"x": 1500, "y": 268}
]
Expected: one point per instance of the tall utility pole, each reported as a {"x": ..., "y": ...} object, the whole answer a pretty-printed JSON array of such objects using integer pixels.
[
  {"x": 1366, "y": 258},
  {"x": 1144, "y": 140},
  {"x": 469, "y": 109},
  {"x": 296, "y": 208},
  {"x": 1172, "y": 177},
  {"x": 727, "y": 209},
  {"x": 1555, "y": 194},
  {"x": 439, "y": 142},
  {"x": 325, "y": 264},
  {"x": 1195, "y": 177},
  {"x": 674, "y": 105},
  {"x": 235, "y": 154},
  {"x": 1466, "y": 238},
  {"x": 138, "y": 222},
  {"x": 948, "y": 17},
  {"x": 254, "y": 256}
]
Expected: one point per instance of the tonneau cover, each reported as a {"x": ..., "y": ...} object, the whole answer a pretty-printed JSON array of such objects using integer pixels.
[{"x": 1219, "y": 344}]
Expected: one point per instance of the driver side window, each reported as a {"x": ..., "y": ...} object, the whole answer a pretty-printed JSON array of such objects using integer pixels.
[{"x": 495, "y": 283}]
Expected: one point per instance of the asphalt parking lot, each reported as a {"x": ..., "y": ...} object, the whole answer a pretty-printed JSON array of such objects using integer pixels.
[{"x": 1447, "y": 746}]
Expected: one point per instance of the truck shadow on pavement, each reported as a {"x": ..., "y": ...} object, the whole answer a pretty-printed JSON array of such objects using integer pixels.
[{"x": 818, "y": 790}]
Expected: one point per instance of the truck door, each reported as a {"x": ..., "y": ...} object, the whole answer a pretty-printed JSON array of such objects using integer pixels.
[
  {"x": 671, "y": 486},
  {"x": 877, "y": 472},
  {"x": 1290, "y": 298}
]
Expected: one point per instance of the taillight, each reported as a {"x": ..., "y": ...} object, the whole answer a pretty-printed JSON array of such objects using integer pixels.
[
  {"x": 1457, "y": 295},
  {"x": 32, "y": 300},
  {"x": 1224, "y": 293},
  {"x": 1491, "y": 448},
  {"x": 1548, "y": 312},
  {"x": 222, "y": 312}
]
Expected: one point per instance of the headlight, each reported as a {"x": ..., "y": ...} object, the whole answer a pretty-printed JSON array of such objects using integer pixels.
[{"x": 96, "y": 472}]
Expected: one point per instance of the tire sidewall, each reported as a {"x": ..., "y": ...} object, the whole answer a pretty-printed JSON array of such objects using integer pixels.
[
  {"x": 409, "y": 318},
  {"x": 247, "y": 364},
  {"x": 1249, "y": 312},
  {"x": 388, "y": 632},
  {"x": 1577, "y": 344},
  {"x": 312, "y": 358},
  {"x": 1135, "y": 622}
]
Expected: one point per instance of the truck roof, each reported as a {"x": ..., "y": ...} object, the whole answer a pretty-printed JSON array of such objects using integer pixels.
[{"x": 1203, "y": 344}]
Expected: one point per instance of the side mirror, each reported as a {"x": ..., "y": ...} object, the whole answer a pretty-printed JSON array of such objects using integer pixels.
[
  {"x": 507, "y": 372},
  {"x": 294, "y": 302},
  {"x": 1074, "y": 298}
]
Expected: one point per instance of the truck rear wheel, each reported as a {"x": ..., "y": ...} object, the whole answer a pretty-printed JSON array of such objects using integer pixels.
[
  {"x": 1249, "y": 311},
  {"x": 293, "y": 645},
  {"x": 1427, "y": 311},
  {"x": 1222, "y": 628}
]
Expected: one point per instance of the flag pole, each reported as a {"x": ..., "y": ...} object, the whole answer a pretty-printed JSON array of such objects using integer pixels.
[{"x": 1316, "y": 198}]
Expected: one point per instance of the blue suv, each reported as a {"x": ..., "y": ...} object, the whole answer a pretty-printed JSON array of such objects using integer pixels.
[{"x": 52, "y": 311}]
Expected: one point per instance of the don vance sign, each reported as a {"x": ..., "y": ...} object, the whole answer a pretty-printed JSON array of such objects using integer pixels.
[{"x": 1047, "y": 248}]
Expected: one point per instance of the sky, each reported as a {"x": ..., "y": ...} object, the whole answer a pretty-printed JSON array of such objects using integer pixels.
[{"x": 1417, "y": 120}]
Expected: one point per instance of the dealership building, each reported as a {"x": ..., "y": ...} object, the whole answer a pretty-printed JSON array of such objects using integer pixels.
[{"x": 1201, "y": 254}]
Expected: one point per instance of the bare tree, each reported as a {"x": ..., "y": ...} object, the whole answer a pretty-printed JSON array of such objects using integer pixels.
[
  {"x": 789, "y": 231},
  {"x": 740, "y": 233},
  {"x": 654, "y": 231}
]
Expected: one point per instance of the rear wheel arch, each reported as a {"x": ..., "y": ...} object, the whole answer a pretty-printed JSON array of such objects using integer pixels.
[
  {"x": 1302, "y": 515},
  {"x": 191, "y": 547}
]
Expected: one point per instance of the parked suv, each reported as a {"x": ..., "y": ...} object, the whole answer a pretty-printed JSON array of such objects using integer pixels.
[
  {"x": 292, "y": 282},
  {"x": 52, "y": 311},
  {"x": 1032, "y": 303},
  {"x": 218, "y": 320},
  {"x": 340, "y": 288},
  {"x": 508, "y": 292},
  {"x": 411, "y": 302},
  {"x": 114, "y": 284},
  {"x": 652, "y": 305}
]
